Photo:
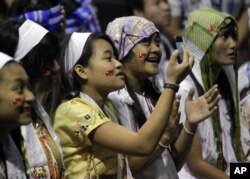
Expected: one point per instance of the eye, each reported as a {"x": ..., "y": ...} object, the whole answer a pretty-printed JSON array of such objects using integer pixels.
[
  {"x": 157, "y": 41},
  {"x": 228, "y": 34},
  {"x": 145, "y": 42},
  {"x": 19, "y": 88}
]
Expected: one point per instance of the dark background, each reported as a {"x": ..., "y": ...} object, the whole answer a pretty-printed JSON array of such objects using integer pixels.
[{"x": 109, "y": 10}]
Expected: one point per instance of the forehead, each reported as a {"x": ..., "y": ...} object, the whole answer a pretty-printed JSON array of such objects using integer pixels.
[
  {"x": 11, "y": 72},
  {"x": 100, "y": 45}
]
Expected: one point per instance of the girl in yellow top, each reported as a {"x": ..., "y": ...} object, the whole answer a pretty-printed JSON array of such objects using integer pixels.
[{"x": 84, "y": 125}]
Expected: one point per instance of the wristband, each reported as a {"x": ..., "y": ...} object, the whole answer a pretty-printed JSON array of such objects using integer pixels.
[
  {"x": 162, "y": 145},
  {"x": 172, "y": 86},
  {"x": 187, "y": 131}
]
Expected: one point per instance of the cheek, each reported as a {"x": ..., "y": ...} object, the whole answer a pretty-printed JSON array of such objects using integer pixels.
[
  {"x": 142, "y": 56},
  {"x": 109, "y": 73}
]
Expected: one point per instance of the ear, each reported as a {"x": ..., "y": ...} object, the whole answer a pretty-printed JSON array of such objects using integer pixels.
[
  {"x": 138, "y": 12},
  {"x": 81, "y": 71}
]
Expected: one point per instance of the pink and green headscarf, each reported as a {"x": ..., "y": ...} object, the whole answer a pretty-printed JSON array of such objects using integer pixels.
[{"x": 128, "y": 31}]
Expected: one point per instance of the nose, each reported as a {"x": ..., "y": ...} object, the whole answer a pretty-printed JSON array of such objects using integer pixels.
[
  {"x": 28, "y": 95},
  {"x": 155, "y": 48},
  {"x": 118, "y": 64},
  {"x": 232, "y": 42}
]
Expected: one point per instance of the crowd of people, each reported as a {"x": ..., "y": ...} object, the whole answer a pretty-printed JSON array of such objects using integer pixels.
[{"x": 79, "y": 101}]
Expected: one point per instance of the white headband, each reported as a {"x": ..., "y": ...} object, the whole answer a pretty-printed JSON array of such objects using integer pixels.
[
  {"x": 30, "y": 34},
  {"x": 75, "y": 48},
  {"x": 4, "y": 59}
]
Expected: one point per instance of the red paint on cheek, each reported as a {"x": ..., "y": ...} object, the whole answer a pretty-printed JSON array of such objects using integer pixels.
[
  {"x": 142, "y": 56},
  {"x": 109, "y": 73},
  {"x": 46, "y": 71},
  {"x": 17, "y": 101}
]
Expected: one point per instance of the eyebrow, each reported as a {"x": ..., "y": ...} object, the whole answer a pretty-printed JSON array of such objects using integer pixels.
[
  {"x": 20, "y": 80},
  {"x": 108, "y": 52}
]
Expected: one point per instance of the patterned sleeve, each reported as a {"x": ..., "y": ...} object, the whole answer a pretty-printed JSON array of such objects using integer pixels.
[
  {"x": 76, "y": 119},
  {"x": 91, "y": 119}
]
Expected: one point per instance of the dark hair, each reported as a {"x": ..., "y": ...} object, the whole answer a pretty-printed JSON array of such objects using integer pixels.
[
  {"x": 40, "y": 57},
  {"x": 70, "y": 85},
  {"x": 9, "y": 36}
]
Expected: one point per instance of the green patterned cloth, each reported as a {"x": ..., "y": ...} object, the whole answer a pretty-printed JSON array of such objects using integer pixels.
[{"x": 203, "y": 26}]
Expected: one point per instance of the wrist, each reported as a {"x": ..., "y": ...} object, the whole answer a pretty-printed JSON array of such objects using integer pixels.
[
  {"x": 172, "y": 86},
  {"x": 163, "y": 146},
  {"x": 189, "y": 128}
]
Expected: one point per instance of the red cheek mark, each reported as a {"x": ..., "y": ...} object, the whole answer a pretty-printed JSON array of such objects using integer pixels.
[
  {"x": 17, "y": 101},
  {"x": 46, "y": 71},
  {"x": 109, "y": 73},
  {"x": 142, "y": 55}
]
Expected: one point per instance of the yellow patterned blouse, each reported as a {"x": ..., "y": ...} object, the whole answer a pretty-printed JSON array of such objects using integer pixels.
[{"x": 74, "y": 121}]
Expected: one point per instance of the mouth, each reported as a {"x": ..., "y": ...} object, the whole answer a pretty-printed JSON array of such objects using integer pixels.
[
  {"x": 26, "y": 110},
  {"x": 232, "y": 55},
  {"x": 153, "y": 60},
  {"x": 120, "y": 73}
]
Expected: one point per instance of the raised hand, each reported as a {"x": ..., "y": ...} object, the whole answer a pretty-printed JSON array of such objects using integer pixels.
[
  {"x": 202, "y": 107},
  {"x": 177, "y": 72}
]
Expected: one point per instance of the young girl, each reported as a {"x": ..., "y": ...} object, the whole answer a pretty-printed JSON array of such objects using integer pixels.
[
  {"x": 212, "y": 37},
  {"x": 140, "y": 53},
  {"x": 36, "y": 49},
  {"x": 83, "y": 123},
  {"x": 15, "y": 110}
]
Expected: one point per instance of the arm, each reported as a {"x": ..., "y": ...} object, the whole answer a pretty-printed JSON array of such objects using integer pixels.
[
  {"x": 243, "y": 25},
  {"x": 145, "y": 141},
  {"x": 199, "y": 167},
  {"x": 138, "y": 163}
]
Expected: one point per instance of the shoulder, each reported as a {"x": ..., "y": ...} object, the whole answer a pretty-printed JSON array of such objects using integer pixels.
[{"x": 75, "y": 107}]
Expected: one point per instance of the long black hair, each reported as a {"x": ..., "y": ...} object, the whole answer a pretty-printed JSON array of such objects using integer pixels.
[{"x": 70, "y": 85}]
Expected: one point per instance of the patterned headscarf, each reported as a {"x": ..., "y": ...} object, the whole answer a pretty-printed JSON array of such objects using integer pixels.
[
  {"x": 201, "y": 30},
  {"x": 203, "y": 26},
  {"x": 128, "y": 31}
]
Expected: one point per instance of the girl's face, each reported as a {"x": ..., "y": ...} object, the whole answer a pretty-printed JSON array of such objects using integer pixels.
[
  {"x": 225, "y": 47},
  {"x": 157, "y": 11},
  {"x": 144, "y": 58},
  {"x": 15, "y": 97},
  {"x": 104, "y": 71},
  {"x": 48, "y": 78}
]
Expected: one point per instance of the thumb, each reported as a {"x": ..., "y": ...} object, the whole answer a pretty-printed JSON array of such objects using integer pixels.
[{"x": 190, "y": 94}]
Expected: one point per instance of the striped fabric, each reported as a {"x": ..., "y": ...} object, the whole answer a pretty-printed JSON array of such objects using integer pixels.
[
  {"x": 82, "y": 19},
  {"x": 50, "y": 18}
]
